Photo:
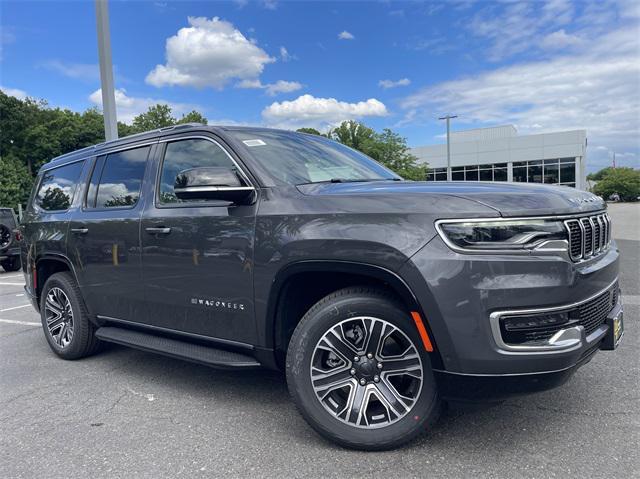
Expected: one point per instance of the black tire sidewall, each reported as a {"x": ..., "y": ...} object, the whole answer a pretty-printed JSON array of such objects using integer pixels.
[
  {"x": 313, "y": 326},
  {"x": 11, "y": 264},
  {"x": 82, "y": 329}
]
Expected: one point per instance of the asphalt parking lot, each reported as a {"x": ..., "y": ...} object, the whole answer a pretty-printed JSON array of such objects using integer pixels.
[{"x": 125, "y": 413}]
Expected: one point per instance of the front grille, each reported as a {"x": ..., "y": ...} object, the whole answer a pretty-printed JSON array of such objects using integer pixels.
[
  {"x": 588, "y": 235},
  {"x": 589, "y": 315}
]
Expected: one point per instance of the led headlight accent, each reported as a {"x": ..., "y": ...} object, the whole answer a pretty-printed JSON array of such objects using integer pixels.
[{"x": 502, "y": 235}]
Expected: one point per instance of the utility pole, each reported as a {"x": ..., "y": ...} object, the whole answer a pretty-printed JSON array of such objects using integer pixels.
[
  {"x": 106, "y": 71},
  {"x": 448, "y": 118}
]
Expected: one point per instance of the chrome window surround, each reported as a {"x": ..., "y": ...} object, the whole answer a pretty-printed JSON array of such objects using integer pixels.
[
  {"x": 564, "y": 340},
  {"x": 250, "y": 186},
  {"x": 547, "y": 247}
]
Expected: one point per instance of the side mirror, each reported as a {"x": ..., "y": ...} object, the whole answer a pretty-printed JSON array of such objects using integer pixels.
[{"x": 211, "y": 183}]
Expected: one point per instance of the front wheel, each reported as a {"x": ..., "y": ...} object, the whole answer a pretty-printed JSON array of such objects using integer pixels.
[{"x": 358, "y": 371}]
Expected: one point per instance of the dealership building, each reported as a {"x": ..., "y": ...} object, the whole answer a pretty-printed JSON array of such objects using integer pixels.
[{"x": 500, "y": 154}]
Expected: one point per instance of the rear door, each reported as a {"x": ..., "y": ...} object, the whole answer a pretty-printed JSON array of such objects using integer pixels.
[
  {"x": 46, "y": 220},
  {"x": 104, "y": 235},
  {"x": 197, "y": 256}
]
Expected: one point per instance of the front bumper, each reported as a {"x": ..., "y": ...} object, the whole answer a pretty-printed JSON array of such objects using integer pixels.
[{"x": 463, "y": 296}]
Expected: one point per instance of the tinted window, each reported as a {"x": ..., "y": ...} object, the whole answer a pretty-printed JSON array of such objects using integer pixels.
[
  {"x": 295, "y": 158},
  {"x": 185, "y": 154},
  {"x": 120, "y": 179},
  {"x": 58, "y": 186}
]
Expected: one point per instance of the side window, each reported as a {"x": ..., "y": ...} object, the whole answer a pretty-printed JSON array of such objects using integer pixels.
[
  {"x": 58, "y": 186},
  {"x": 117, "y": 178},
  {"x": 184, "y": 154}
]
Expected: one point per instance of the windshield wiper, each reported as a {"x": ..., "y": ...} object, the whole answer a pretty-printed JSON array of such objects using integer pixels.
[{"x": 351, "y": 180}]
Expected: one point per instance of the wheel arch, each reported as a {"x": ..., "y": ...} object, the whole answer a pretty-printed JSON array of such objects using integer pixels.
[
  {"x": 284, "y": 311},
  {"x": 47, "y": 265}
]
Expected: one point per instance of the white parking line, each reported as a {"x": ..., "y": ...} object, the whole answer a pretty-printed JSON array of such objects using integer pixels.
[
  {"x": 24, "y": 323},
  {"x": 14, "y": 307},
  {"x": 11, "y": 284},
  {"x": 12, "y": 276}
]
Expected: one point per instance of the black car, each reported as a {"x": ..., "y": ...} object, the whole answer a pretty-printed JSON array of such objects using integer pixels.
[
  {"x": 380, "y": 298},
  {"x": 9, "y": 247}
]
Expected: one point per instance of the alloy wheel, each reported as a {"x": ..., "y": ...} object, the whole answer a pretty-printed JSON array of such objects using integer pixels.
[
  {"x": 59, "y": 316},
  {"x": 366, "y": 372}
]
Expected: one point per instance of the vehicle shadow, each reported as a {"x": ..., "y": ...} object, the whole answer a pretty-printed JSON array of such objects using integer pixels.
[{"x": 498, "y": 429}]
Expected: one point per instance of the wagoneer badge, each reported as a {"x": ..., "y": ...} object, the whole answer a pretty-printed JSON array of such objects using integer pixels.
[{"x": 217, "y": 303}]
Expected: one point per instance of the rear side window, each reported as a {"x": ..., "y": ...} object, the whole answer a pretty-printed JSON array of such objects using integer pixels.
[
  {"x": 184, "y": 154},
  {"x": 58, "y": 186},
  {"x": 117, "y": 178}
]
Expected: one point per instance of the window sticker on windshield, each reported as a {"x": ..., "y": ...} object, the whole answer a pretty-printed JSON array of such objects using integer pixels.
[{"x": 254, "y": 142}]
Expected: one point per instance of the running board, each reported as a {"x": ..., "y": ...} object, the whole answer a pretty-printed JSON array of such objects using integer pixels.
[{"x": 217, "y": 358}]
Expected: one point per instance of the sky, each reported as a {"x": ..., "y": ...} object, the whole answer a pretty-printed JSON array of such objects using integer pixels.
[{"x": 542, "y": 65}]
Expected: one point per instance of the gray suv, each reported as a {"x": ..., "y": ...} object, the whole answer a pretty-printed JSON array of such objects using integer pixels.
[{"x": 382, "y": 299}]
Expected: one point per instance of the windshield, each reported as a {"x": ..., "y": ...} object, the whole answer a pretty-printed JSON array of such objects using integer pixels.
[{"x": 296, "y": 158}]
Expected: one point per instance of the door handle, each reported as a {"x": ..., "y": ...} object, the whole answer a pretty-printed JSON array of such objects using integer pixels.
[
  {"x": 80, "y": 231},
  {"x": 159, "y": 230}
]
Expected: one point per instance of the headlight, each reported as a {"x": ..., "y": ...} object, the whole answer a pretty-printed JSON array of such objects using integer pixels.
[{"x": 516, "y": 235}]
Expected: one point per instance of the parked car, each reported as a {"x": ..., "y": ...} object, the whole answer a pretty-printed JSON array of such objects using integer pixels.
[
  {"x": 9, "y": 247},
  {"x": 380, "y": 298}
]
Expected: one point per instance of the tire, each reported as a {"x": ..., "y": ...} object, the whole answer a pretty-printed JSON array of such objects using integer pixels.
[
  {"x": 11, "y": 264},
  {"x": 61, "y": 296},
  {"x": 356, "y": 315}
]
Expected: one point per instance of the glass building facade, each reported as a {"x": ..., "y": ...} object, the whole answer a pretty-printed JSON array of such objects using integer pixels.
[
  {"x": 500, "y": 154},
  {"x": 558, "y": 171}
]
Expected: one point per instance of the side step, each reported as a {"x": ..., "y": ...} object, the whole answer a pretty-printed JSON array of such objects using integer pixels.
[{"x": 218, "y": 358}]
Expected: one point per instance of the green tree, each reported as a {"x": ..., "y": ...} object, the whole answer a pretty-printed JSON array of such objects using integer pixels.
[
  {"x": 157, "y": 116},
  {"x": 624, "y": 181},
  {"x": 193, "y": 117},
  {"x": 310, "y": 131},
  {"x": 388, "y": 148},
  {"x": 354, "y": 134},
  {"x": 598, "y": 175},
  {"x": 392, "y": 151},
  {"x": 15, "y": 182}
]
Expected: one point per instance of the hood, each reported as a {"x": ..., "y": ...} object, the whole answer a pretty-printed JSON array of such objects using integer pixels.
[{"x": 508, "y": 199}]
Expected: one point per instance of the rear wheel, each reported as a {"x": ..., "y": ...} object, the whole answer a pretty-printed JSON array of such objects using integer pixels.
[
  {"x": 358, "y": 372},
  {"x": 65, "y": 319},
  {"x": 11, "y": 264}
]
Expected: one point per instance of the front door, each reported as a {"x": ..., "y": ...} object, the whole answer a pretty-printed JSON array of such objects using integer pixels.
[
  {"x": 197, "y": 256},
  {"x": 104, "y": 236}
]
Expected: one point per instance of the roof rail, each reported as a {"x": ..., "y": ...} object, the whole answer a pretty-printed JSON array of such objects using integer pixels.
[{"x": 157, "y": 130}]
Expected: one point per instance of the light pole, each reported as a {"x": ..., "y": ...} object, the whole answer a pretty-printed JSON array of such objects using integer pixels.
[
  {"x": 106, "y": 71},
  {"x": 448, "y": 118}
]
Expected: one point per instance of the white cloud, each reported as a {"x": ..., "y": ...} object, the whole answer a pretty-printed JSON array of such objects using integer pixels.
[
  {"x": 271, "y": 89},
  {"x": 270, "y": 4},
  {"x": 81, "y": 71},
  {"x": 306, "y": 110},
  {"x": 127, "y": 107},
  {"x": 345, "y": 35},
  {"x": 596, "y": 89},
  {"x": 282, "y": 86},
  {"x": 559, "y": 39},
  {"x": 518, "y": 27},
  {"x": 19, "y": 94},
  {"x": 386, "y": 84},
  {"x": 285, "y": 56},
  {"x": 209, "y": 53}
]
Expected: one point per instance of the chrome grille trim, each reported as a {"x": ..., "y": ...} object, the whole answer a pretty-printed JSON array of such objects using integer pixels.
[{"x": 588, "y": 236}]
